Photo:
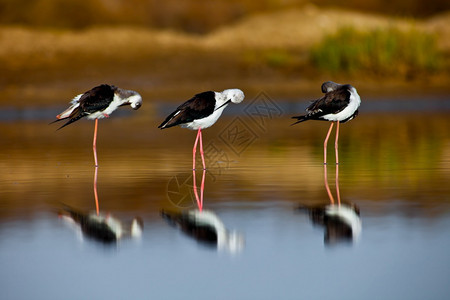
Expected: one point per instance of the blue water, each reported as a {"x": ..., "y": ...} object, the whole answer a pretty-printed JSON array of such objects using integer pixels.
[
  {"x": 394, "y": 167},
  {"x": 284, "y": 256}
]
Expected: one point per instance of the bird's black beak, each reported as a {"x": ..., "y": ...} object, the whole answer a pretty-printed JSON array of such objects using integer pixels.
[
  {"x": 137, "y": 106},
  {"x": 223, "y": 104}
]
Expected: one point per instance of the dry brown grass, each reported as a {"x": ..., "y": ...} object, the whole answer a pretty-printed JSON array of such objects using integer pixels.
[
  {"x": 294, "y": 28},
  {"x": 266, "y": 50},
  {"x": 301, "y": 28}
]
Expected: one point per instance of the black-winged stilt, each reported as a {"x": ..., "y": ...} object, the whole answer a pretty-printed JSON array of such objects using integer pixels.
[
  {"x": 200, "y": 112},
  {"x": 206, "y": 227},
  {"x": 98, "y": 103},
  {"x": 339, "y": 105}
]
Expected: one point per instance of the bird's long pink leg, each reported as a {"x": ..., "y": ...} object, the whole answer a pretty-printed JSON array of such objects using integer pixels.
[
  {"x": 94, "y": 143},
  {"x": 336, "y": 143},
  {"x": 327, "y": 187},
  {"x": 202, "y": 187},
  {"x": 337, "y": 185},
  {"x": 325, "y": 144},
  {"x": 194, "y": 186},
  {"x": 201, "y": 150},
  {"x": 95, "y": 191},
  {"x": 194, "y": 150}
]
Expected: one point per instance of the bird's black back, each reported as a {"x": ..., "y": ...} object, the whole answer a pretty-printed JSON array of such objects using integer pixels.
[
  {"x": 332, "y": 102},
  {"x": 198, "y": 107},
  {"x": 97, "y": 99}
]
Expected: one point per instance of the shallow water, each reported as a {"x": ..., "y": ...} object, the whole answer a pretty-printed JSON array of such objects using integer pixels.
[{"x": 394, "y": 166}]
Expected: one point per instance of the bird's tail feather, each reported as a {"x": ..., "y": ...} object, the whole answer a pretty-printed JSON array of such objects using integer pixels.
[
  {"x": 61, "y": 116},
  {"x": 57, "y": 120},
  {"x": 300, "y": 119},
  {"x": 71, "y": 120}
]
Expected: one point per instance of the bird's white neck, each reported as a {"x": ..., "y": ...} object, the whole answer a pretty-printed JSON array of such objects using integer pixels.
[{"x": 221, "y": 99}]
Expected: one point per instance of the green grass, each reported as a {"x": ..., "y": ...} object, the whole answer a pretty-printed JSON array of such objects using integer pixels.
[
  {"x": 380, "y": 52},
  {"x": 278, "y": 58}
]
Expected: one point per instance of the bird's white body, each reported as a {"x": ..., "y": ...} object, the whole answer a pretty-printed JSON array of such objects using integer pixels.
[
  {"x": 117, "y": 101},
  {"x": 222, "y": 100},
  {"x": 347, "y": 112},
  {"x": 211, "y": 119}
]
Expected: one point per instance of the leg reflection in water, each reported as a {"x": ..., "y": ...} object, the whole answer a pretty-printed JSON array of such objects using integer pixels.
[
  {"x": 97, "y": 208},
  {"x": 327, "y": 187},
  {"x": 202, "y": 188}
]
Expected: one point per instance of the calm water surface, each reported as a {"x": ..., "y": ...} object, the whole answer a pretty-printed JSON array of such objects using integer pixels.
[{"x": 395, "y": 167}]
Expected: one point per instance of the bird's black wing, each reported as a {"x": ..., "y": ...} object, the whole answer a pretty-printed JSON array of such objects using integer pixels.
[
  {"x": 331, "y": 103},
  {"x": 96, "y": 99},
  {"x": 198, "y": 107}
]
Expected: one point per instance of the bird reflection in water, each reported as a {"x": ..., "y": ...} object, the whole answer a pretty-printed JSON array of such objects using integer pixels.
[
  {"x": 341, "y": 221},
  {"x": 103, "y": 228},
  {"x": 204, "y": 225}
]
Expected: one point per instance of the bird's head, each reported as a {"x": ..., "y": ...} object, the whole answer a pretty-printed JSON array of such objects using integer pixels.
[
  {"x": 329, "y": 86},
  {"x": 129, "y": 97},
  {"x": 135, "y": 101},
  {"x": 234, "y": 95}
]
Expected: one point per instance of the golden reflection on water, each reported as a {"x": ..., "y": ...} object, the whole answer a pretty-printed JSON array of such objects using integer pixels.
[{"x": 383, "y": 157}]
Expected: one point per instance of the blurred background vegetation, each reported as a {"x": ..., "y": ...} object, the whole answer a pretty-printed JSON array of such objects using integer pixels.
[
  {"x": 198, "y": 16},
  {"x": 171, "y": 48},
  {"x": 380, "y": 52}
]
